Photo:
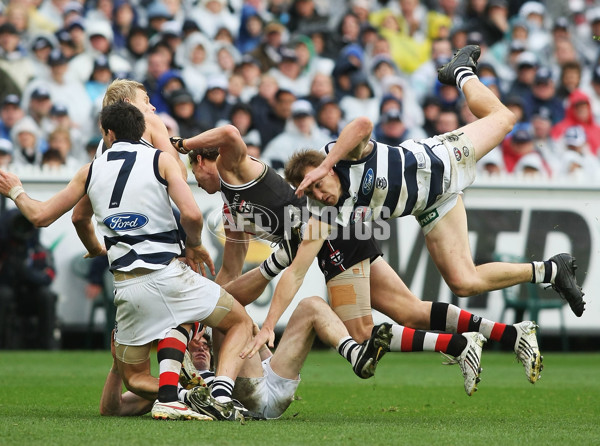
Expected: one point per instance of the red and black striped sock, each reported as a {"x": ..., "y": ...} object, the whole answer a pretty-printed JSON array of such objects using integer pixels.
[
  {"x": 170, "y": 353},
  {"x": 410, "y": 340},
  {"x": 450, "y": 318}
]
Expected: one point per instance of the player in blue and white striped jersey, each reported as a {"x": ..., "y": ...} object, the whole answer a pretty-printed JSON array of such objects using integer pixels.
[{"x": 358, "y": 179}]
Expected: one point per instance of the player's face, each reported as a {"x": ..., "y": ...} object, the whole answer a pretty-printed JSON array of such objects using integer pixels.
[
  {"x": 328, "y": 190},
  {"x": 200, "y": 351},
  {"x": 206, "y": 175},
  {"x": 142, "y": 102}
]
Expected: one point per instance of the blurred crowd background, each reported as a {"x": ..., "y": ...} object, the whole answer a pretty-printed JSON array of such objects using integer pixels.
[{"x": 290, "y": 73}]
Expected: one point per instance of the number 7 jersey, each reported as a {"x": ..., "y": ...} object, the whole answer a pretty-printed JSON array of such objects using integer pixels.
[{"x": 132, "y": 207}]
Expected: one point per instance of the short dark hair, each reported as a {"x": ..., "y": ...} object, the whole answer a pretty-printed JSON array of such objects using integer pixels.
[
  {"x": 124, "y": 119},
  {"x": 297, "y": 164},
  {"x": 210, "y": 153}
]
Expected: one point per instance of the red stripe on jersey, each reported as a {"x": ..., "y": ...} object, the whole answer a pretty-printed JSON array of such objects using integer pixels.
[
  {"x": 407, "y": 339},
  {"x": 463, "y": 322},
  {"x": 172, "y": 343},
  {"x": 168, "y": 379},
  {"x": 497, "y": 331},
  {"x": 442, "y": 341}
]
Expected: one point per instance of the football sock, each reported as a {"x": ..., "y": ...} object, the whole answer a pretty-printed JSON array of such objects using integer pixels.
[
  {"x": 544, "y": 272},
  {"x": 450, "y": 318},
  {"x": 222, "y": 388},
  {"x": 275, "y": 263},
  {"x": 170, "y": 353},
  {"x": 462, "y": 75},
  {"x": 349, "y": 349},
  {"x": 406, "y": 339}
]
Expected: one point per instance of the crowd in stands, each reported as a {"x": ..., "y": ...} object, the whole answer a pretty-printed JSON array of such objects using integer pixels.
[{"x": 290, "y": 73}]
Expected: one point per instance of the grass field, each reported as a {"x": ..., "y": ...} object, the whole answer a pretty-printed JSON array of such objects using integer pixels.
[{"x": 52, "y": 399}]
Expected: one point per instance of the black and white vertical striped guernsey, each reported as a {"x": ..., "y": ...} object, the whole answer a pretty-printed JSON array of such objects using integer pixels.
[
  {"x": 137, "y": 224},
  {"x": 389, "y": 182}
]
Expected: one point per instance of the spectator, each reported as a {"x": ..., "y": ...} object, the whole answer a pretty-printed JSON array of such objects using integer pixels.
[
  {"x": 391, "y": 129},
  {"x": 305, "y": 17},
  {"x": 593, "y": 92},
  {"x": 183, "y": 110},
  {"x": 59, "y": 117},
  {"x": 227, "y": 57},
  {"x": 60, "y": 140},
  {"x": 74, "y": 38},
  {"x": 519, "y": 145},
  {"x": 160, "y": 60},
  {"x": 196, "y": 59},
  {"x": 211, "y": 15},
  {"x": 251, "y": 29},
  {"x": 570, "y": 79},
  {"x": 321, "y": 87},
  {"x": 362, "y": 101},
  {"x": 539, "y": 39},
  {"x": 98, "y": 82},
  {"x": 27, "y": 140},
  {"x": 579, "y": 112},
  {"x": 39, "y": 108},
  {"x": 100, "y": 40},
  {"x": 310, "y": 61},
  {"x": 267, "y": 52},
  {"x": 41, "y": 47},
  {"x": 272, "y": 123},
  {"x": 214, "y": 106},
  {"x": 301, "y": 132},
  {"x": 288, "y": 73},
  {"x": 135, "y": 50},
  {"x": 543, "y": 95},
  {"x": 241, "y": 118},
  {"x": 576, "y": 160},
  {"x": 422, "y": 80},
  {"x": 52, "y": 159},
  {"x": 250, "y": 70},
  {"x": 330, "y": 117},
  {"x": 541, "y": 124},
  {"x": 13, "y": 60},
  {"x": 26, "y": 272},
  {"x": 432, "y": 108},
  {"x": 526, "y": 67},
  {"x": 6, "y": 153},
  {"x": 167, "y": 82},
  {"x": 157, "y": 14},
  {"x": 10, "y": 113},
  {"x": 125, "y": 17}
]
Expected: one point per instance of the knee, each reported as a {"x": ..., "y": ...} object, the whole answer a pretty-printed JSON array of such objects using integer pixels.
[
  {"x": 311, "y": 305},
  {"x": 508, "y": 119},
  {"x": 461, "y": 286}
]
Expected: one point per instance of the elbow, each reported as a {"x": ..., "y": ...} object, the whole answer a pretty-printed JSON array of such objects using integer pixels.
[
  {"x": 231, "y": 134},
  {"x": 364, "y": 126}
]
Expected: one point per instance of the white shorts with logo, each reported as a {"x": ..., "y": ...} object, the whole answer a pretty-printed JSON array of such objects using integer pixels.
[
  {"x": 150, "y": 305},
  {"x": 458, "y": 155},
  {"x": 269, "y": 396}
]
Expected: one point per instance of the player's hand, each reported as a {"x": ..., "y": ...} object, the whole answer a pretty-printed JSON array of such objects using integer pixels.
[
  {"x": 177, "y": 142},
  {"x": 92, "y": 291},
  {"x": 8, "y": 180},
  {"x": 197, "y": 257},
  {"x": 264, "y": 335},
  {"x": 100, "y": 252},
  {"x": 310, "y": 178}
]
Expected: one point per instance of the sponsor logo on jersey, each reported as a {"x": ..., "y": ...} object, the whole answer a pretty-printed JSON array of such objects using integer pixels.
[
  {"x": 381, "y": 183},
  {"x": 451, "y": 137},
  {"x": 465, "y": 151},
  {"x": 362, "y": 213},
  {"x": 125, "y": 221},
  {"x": 421, "y": 163},
  {"x": 367, "y": 185},
  {"x": 457, "y": 154},
  {"x": 336, "y": 257},
  {"x": 425, "y": 219}
]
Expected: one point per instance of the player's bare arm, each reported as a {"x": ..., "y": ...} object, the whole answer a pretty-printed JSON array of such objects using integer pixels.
[
  {"x": 315, "y": 234},
  {"x": 44, "y": 213},
  {"x": 352, "y": 144},
  {"x": 158, "y": 136},
  {"x": 191, "y": 216}
]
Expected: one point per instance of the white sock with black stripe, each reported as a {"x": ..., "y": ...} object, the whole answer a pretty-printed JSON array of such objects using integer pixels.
[
  {"x": 544, "y": 272},
  {"x": 463, "y": 74},
  {"x": 275, "y": 263},
  {"x": 348, "y": 348},
  {"x": 222, "y": 388}
]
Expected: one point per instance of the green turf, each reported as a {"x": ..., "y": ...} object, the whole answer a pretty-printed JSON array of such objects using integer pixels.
[{"x": 52, "y": 399}]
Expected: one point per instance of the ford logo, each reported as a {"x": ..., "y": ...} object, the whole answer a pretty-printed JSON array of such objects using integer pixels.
[
  {"x": 125, "y": 221},
  {"x": 367, "y": 185}
]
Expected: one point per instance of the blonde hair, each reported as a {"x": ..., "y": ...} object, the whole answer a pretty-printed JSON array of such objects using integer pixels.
[{"x": 121, "y": 89}]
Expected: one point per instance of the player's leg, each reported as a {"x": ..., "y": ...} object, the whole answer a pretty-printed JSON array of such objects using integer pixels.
[
  {"x": 495, "y": 119},
  {"x": 350, "y": 298},
  {"x": 248, "y": 287},
  {"x": 133, "y": 363},
  {"x": 448, "y": 245},
  {"x": 314, "y": 317}
]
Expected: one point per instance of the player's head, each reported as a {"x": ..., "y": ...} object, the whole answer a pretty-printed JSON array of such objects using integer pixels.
[
  {"x": 128, "y": 91},
  {"x": 328, "y": 190},
  {"x": 200, "y": 348},
  {"x": 204, "y": 168},
  {"x": 121, "y": 120}
]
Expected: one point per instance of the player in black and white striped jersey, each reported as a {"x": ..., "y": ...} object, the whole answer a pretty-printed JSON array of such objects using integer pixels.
[{"x": 358, "y": 179}]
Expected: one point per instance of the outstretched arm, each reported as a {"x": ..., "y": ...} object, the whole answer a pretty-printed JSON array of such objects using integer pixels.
[
  {"x": 350, "y": 145},
  {"x": 43, "y": 213},
  {"x": 289, "y": 284}
]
